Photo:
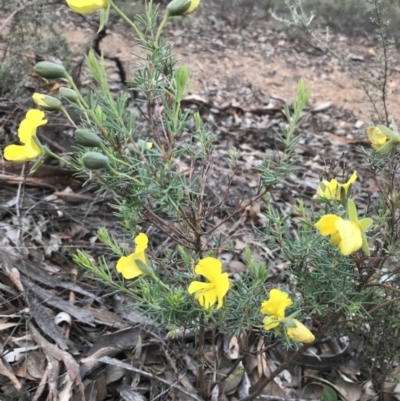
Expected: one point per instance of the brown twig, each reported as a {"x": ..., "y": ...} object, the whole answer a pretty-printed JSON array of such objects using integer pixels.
[
  {"x": 387, "y": 303},
  {"x": 388, "y": 287}
]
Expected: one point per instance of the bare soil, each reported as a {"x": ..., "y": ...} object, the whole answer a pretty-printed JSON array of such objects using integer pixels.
[{"x": 222, "y": 56}]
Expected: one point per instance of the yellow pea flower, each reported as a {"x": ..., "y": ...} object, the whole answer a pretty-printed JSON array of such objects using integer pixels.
[
  {"x": 275, "y": 306},
  {"x": 26, "y": 134},
  {"x": 332, "y": 189},
  {"x": 376, "y": 137},
  {"x": 275, "y": 309},
  {"x": 348, "y": 235},
  {"x": 128, "y": 265},
  {"x": 300, "y": 333},
  {"x": 207, "y": 294},
  {"x": 87, "y": 6},
  {"x": 383, "y": 139}
]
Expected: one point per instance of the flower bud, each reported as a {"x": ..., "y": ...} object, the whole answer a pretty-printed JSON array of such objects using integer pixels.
[
  {"x": 95, "y": 161},
  {"x": 181, "y": 7},
  {"x": 49, "y": 70},
  {"x": 69, "y": 94},
  {"x": 47, "y": 103},
  {"x": 87, "y": 138},
  {"x": 182, "y": 76}
]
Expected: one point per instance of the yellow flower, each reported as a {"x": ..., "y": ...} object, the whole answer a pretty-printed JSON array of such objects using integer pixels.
[
  {"x": 344, "y": 233},
  {"x": 376, "y": 137},
  {"x": 332, "y": 189},
  {"x": 348, "y": 235},
  {"x": 87, "y": 6},
  {"x": 275, "y": 308},
  {"x": 26, "y": 134},
  {"x": 300, "y": 333},
  {"x": 127, "y": 265},
  {"x": 207, "y": 294},
  {"x": 181, "y": 7},
  {"x": 383, "y": 139}
]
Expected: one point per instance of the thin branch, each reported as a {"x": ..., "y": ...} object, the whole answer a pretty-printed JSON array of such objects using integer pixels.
[
  {"x": 388, "y": 287},
  {"x": 387, "y": 303}
]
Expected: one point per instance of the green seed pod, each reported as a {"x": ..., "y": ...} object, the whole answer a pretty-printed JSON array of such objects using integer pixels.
[
  {"x": 95, "y": 161},
  {"x": 87, "y": 138},
  {"x": 69, "y": 94},
  {"x": 49, "y": 70}
]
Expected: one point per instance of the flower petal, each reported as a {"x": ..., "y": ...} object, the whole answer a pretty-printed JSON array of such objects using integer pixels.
[
  {"x": 335, "y": 239},
  {"x": 206, "y": 298},
  {"x": 206, "y": 294},
  {"x": 222, "y": 287},
  {"x": 350, "y": 181},
  {"x": 141, "y": 241},
  {"x": 193, "y": 5},
  {"x": 277, "y": 303},
  {"x": 300, "y": 333},
  {"x": 210, "y": 268},
  {"x": 87, "y": 6},
  {"x": 350, "y": 236},
  {"x": 27, "y": 129},
  {"x": 352, "y": 178},
  {"x": 199, "y": 286},
  {"x": 327, "y": 189},
  {"x": 127, "y": 266},
  {"x": 326, "y": 224},
  {"x": 376, "y": 137},
  {"x": 16, "y": 153}
]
